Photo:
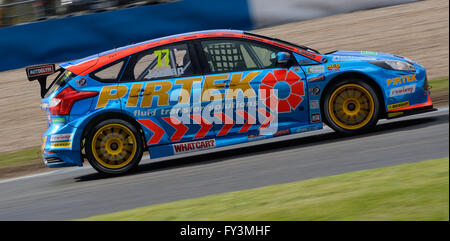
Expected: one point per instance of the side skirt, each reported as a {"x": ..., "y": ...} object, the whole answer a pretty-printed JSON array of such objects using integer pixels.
[{"x": 205, "y": 144}]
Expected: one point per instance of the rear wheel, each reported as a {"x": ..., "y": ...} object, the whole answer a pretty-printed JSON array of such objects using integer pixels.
[
  {"x": 351, "y": 106},
  {"x": 114, "y": 146}
]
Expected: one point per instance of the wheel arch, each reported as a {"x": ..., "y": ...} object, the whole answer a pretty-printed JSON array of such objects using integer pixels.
[
  {"x": 363, "y": 77},
  {"x": 111, "y": 115}
]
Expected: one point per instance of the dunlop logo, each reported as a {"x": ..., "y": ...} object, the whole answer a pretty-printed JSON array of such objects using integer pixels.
[{"x": 398, "y": 105}]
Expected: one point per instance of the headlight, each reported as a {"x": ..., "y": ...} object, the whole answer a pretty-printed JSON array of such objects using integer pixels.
[{"x": 394, "y": 65}]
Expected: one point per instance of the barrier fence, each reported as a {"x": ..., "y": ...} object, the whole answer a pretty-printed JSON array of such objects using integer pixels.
[{"x": 73, "y": 37}]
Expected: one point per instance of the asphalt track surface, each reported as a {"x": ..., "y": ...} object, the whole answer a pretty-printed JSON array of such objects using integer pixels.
[{"x": 80, "y": 192}]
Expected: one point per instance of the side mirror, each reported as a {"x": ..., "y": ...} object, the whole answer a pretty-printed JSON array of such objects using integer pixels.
[{"x": 283, "y": 57}]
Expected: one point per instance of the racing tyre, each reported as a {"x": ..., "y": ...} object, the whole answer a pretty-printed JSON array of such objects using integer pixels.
[
  {"x": 114, "y": 146},
  {"x": 351, "y": 106}
]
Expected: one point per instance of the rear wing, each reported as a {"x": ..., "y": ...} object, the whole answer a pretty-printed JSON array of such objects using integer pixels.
[{"x": 40, "y": 73}]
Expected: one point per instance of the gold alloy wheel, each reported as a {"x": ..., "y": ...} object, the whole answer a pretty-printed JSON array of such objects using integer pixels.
[
  {"x": 351, "y": 106},
  {"x": 114, "y": 146}
]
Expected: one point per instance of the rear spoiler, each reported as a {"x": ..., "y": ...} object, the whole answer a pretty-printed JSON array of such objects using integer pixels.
[{"x": 40, "y": 73}]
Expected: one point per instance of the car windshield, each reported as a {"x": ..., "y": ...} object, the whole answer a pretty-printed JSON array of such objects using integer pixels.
[
  {"x": 59, "y": 81},
  {"x": 285, "y": 42}
]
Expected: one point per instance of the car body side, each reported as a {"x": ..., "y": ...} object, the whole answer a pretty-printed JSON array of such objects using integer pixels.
[{"x": 316, "y": 72}]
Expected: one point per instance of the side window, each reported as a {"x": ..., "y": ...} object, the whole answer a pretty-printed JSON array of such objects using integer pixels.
[
  {"x": 237, "y": 55},
  {"x": 164, "y": 62},
  {"x": 266, "y": 55},
  {"x": 110, "y": 73}
]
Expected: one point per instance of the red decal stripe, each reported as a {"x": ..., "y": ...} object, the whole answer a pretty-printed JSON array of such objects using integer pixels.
[
  {"x": 250, "y": 120},
  {"x": 158, "y": 132},
  {"x": 205, "y": 126},
  {"x": 269, "y": 118},
  {"x": 180, "y": 128},
  {"x": 228, "y": 123}
]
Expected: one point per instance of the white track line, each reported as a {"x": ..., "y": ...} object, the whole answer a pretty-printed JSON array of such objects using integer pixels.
[{"x": 26, "y": 177}]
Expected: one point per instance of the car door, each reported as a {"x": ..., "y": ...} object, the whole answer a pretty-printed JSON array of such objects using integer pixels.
[
  {"x": 162, "y": 84},
  {"x": 256, "y": 90}
]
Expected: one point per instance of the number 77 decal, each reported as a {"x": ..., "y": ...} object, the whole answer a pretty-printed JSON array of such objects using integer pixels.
[{"x": 166, "y": 56}]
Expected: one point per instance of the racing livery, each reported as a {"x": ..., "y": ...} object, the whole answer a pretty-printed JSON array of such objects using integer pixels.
[{"x": 202, "y": 90}]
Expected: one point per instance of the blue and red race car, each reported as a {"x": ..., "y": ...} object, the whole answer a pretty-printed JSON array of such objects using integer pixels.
[{"x": 208, "y": 89}]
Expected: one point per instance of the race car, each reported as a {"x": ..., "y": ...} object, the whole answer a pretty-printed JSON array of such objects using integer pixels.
[{"x": 208, "y": 89}]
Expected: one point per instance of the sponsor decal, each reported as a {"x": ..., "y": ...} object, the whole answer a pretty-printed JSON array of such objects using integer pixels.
[
  {"x": 369, "y": 53},
  {"x": 81, "y": 82},
  {"x": 160, "y": 90},
  {"x": 282, "y": 132},
  {"x": 351, "y": 58},
  {"x": 58, "y": 120},
  {"x": 40, "y": 70},
  {"x": 193, "y": 146},
  {"x": 164, "y": 72},
  {"x": 398, "y": 105},
  {"x": 179, "y": 101},
  {"x": 145, "y": 112},
  {"x": 318, "y": 78},
  {"x": 315, "y": 117},
  {"x": 314, "y": 104},
  {"x": 305, "y": 129},
  {"x": 61, "y": 137},
  {"x": 296, "y": 68},
  {"x": 404, "y": 90},
  {"x": 315, "y": 69},
  {"x": 283, "y": 79},
  {"x": 390, "y": 115},
  {"x": 183, "y": 105},
  {"x": 305, "y": 61},
  {"x": 61, "y": 144},
  {"x": 401, "y": 80},
  {"x": 315, "y": 90},
  {"x": 334, "y": 67}
]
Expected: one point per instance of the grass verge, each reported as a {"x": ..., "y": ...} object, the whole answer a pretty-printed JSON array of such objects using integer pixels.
[
  {"x": 20, "y": 158},
  {"x": 417, "y": 191},
  {"x": 439, "y": 84}
]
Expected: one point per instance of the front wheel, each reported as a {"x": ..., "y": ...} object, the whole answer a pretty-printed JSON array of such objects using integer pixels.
[
  {"x": 351, "y": 106},
  {"x": 114, "y": 146}
]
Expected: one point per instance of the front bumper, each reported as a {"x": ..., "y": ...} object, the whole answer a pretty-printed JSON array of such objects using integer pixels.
[{"x": 413, "y": 109}]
